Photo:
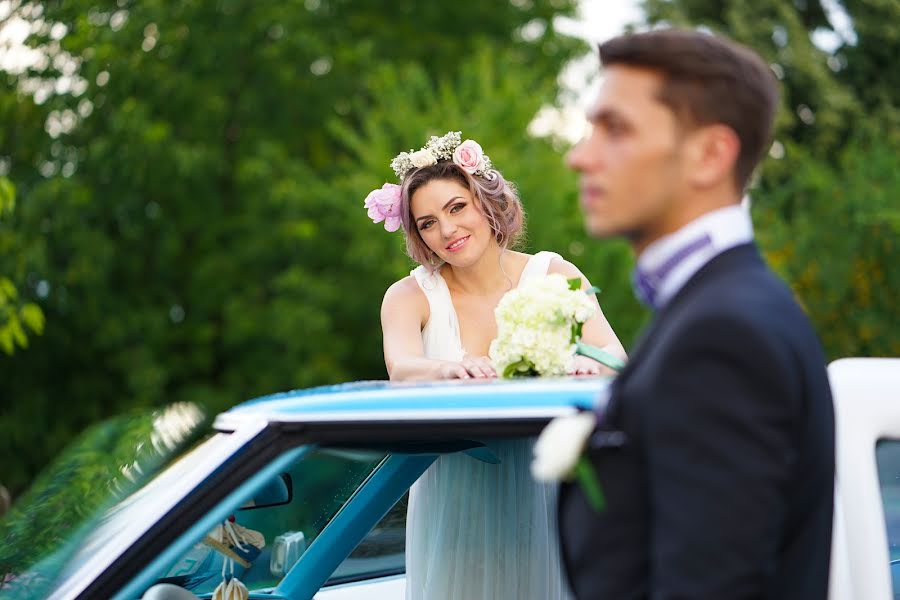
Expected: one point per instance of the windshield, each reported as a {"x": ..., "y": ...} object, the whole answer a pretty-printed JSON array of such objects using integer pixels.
[
  {"x": 260, "y": 545},
  {"x": 87, "y": 494}
]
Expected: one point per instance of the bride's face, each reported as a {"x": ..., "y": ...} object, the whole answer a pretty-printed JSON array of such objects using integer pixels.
[{"x": 450, "y": 222}]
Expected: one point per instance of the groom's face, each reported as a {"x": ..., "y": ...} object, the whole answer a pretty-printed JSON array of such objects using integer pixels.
[{"x": 630, "y": 164}]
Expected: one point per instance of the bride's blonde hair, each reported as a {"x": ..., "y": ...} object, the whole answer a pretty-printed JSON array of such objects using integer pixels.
[{"x": 496, "y": 199}]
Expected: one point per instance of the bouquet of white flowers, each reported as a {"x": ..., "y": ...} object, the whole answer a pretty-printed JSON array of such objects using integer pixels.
[{"x": 539, "y": 325}]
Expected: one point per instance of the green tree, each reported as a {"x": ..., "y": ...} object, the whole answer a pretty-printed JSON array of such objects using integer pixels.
[
  {"x": 184, "y": 213},
  {"x": 825, "y": 204},
  {"x": 16, "y": 316},
  {"x": 492, "y": 109}
]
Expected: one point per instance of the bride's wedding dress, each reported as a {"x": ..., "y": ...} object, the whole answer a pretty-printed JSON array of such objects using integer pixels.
[{"x": 474, "y": 530}]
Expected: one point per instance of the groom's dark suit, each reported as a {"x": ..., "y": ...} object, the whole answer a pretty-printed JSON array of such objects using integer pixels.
[{"x": 723, "y": 488}]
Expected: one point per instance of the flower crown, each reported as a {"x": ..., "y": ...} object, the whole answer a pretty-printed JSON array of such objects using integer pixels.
[
  {"x": 383, "y": 204},
  {"x": 468, "y": 155}
]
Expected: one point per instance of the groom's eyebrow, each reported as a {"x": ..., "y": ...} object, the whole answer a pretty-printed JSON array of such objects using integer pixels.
[{"x": 597, "y": 115}]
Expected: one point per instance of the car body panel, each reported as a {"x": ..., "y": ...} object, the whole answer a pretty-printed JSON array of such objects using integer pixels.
[
  {"x": 383, "y": 588},
  {"x": 867, "y": 409}
]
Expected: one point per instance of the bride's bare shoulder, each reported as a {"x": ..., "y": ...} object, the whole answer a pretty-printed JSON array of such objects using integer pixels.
[
  {"x": 405, "y": 294},
  {"x": 518, "y": 259}
]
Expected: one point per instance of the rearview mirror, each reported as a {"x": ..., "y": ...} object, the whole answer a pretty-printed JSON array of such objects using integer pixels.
[{"x": 276, "y": 492}]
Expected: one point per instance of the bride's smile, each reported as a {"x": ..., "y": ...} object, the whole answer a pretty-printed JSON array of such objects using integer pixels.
[{"x": 450, "y": 222}]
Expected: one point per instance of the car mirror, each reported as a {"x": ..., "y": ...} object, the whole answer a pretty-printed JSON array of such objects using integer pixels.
[{"x": 276, "y": 492}]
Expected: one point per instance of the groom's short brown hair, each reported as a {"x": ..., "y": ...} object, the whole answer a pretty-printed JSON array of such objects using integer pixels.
[{"x": 707, "y": 79}]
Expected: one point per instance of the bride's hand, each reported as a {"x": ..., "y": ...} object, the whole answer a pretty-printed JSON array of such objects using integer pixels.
[
  {"x": 582, "y": 365},
  {"x": 479, "y": 367}
]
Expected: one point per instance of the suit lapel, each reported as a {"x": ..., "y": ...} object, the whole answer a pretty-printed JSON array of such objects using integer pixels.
[
  {"x": 742, "y": 256},
  {"x": 732, "y": 259}
]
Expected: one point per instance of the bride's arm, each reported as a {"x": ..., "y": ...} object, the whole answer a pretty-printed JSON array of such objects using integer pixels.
[
  {"x": 404, "y": 312},
  {"x": 597, "y": 331}
]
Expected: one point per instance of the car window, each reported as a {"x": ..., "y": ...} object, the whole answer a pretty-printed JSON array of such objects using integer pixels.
[
  {"x": 381, "y": 552},
  {"x": 887, "y": 458},
  {"x": 322, "y": 481}
]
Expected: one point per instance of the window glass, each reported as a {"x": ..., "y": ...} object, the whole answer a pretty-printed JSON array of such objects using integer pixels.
[
  {"x": 381, "y": 552},
  {"x": 887, "y": 457},
  {"x": 322, "y": 481}
]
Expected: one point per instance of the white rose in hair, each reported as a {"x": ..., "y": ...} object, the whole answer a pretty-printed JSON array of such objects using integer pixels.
[
  {"x": 469, "y": 156},
  {"x": 422, "y": 158},
  {"x": 559, "y": 446}
]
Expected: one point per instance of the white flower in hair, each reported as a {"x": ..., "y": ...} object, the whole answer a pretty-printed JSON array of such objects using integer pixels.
[
  {"x": 442, "y": 147},
  {"x": 422, "y": 158},
  {"x": 401, "y": 164},
  {"x": 467, "y": 155}
]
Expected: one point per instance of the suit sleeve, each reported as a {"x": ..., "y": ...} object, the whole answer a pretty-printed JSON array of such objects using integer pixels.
[{"x": 719, "y": 455}]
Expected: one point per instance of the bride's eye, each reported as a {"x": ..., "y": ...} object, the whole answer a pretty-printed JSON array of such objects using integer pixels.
[
  {"x": 425, "y": 225},
  {"x": 457, "y": 207}
]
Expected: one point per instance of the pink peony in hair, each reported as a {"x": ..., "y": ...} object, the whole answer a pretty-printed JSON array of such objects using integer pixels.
[{"x": 384, "y": 205}]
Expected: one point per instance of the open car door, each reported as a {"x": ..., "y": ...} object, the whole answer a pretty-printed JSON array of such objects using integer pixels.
[{"x": 865, "y": 559}]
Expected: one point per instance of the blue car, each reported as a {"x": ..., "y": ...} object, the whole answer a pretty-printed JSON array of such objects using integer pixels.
[{"x": 298, "y": 495}]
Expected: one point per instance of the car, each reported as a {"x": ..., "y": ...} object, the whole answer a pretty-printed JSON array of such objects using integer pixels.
[
  {"x": 865, "y": 551},
  {"x": 139, "y": 508},
  {"x": 305, "y": 492}
]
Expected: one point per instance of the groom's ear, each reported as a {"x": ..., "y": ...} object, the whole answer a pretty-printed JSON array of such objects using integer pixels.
[{"x": 712, "y": 151}]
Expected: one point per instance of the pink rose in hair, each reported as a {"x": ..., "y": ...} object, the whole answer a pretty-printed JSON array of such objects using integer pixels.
[
  {"x": 469, "y": 156},
  {"x": 384, "y": 205}
]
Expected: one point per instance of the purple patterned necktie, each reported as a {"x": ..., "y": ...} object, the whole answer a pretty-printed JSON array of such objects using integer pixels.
[{"x": 646, "y": 284}]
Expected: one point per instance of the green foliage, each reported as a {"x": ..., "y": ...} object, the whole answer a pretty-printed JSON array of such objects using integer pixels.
[
  {"x": 825, "y": 205},
  {"x": 7, "y": 196},
  {"x": 545, "y": 185},
  {"x": 16, "y": 316},
  {"x": 195, "y": 232},
  {"x": 838, "y": 249},
  {"x": 106, "y": 463}
]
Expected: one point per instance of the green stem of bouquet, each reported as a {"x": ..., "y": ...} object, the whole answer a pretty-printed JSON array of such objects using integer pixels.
[
  {"x": 604, "y": 358},
  {"x": 584, "y": 473},
  {"x": 520, "y": 368}
]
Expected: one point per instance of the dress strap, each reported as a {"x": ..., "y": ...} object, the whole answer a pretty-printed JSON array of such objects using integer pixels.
[
  {"x": 538, "y": 265},
  {"x": 434, "y": 287},
  {"x": 440, "y": 334}
]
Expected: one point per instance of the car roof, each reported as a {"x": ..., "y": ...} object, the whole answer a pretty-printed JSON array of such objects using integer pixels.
[{"x": 383, "y": 400}]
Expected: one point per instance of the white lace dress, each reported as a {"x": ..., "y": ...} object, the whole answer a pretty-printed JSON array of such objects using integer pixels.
[{"x": 479, "y": 531}]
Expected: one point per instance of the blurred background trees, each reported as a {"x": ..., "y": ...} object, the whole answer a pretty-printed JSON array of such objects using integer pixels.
[
  {"x": 190, "y": 178},
  {"x": 826, "y": 206}
]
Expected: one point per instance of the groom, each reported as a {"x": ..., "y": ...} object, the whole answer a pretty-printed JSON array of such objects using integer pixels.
[{"x": 723, "y": 485}]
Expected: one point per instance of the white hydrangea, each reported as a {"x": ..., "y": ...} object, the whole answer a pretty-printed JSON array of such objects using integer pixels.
[{"x": 537, "y": 325}]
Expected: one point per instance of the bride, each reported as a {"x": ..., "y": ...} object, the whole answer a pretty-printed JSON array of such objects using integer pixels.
[{"x": 474, "y": 530}]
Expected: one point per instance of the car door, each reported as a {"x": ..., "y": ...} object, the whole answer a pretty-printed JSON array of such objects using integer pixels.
[{"x": 866, "y": 537}]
